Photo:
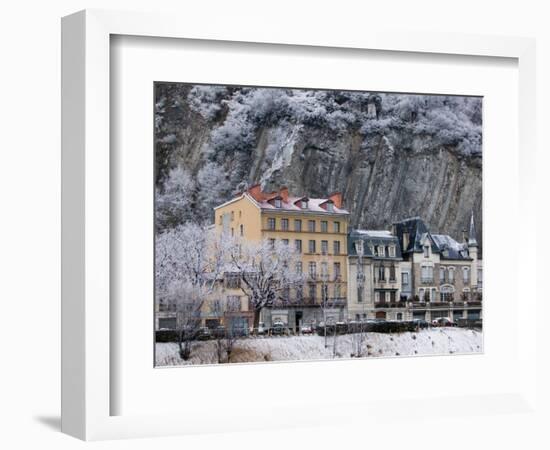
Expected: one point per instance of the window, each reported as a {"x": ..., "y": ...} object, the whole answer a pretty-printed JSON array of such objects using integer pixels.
[
  {"x": 421, "y": 295},
  {"x": 297, "y": 225},
  {"x": 278, "y": 203},
  {"x": 337, "y": 270},
  {"x": 381, "y": 251},
  {"x": 427, "y": 274},
  {"x": 284, "y": 224},
  {"x": 232, "y": 280},
  {"x": 298, "y": 245},
  {"x": 324, "y": 226},
  {"x": 241, "y": 229},
  {"x": 311, "y": 226},
  {"x": 285, "y": 241},
  {"x": 447, "y": 293},
  {"x": 359, "y": 294},
  {"x": 399, "y": 316},
  {"x": 405, "y": 278},
  {"x": 324, "y": 247},
  {"x": 232, "y": 216},
  {"x": 479, "y": 277},
  {"x": 381, "y": 273},
  {"x": 303, "y": 204},
  {"x": 358, "y": 247},
  {"x": 337, "y": 227},
  {"x": 426, "y": 251},
  {"x": 233, "y": 303},
  {"x": 337, "y": 291},
  {"x": 167, "y": 323},
  {"x": 391, "y": 250},
  {"x": 271, "y": 223},
  {"x": 392, "y": 296},
  {"x": 337, "y": 247},
  {"x": 442, "y": 274},
  {"x": 312, "y": 291},
  {"x": 324, "y": 270},
  {"x": 330, "y": 207},
  {"x": 232, "y": 231},
  {"x": 272, "y": 243},
  {"x": 313, "y": 269},
  {"x": 311, "y": 246},
  {"x": 451, "y": 274},
  {"x": 299, "y": 293},
  {"x": 466, "y": 274},
  {"x": 299, "y": 267},
  {"x": 392, "y": 272}
]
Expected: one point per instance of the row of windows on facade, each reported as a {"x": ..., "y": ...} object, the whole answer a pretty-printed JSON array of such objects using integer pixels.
[
  {"x": 376, "y": 250},
  {"x": 312, "y": 246},
  {"x": 447, "y": 274},
  {"x": 297, "y": 293},
  {"x": 311, "y": 225},
  {"x": 304, "y": 204},
  {"x": 233, "y": 280},
  {"x": 445, "y": 295}
]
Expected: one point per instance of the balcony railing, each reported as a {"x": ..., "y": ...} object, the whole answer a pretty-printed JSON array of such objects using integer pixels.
[
  {"x": 427, "y": 280},
  {"x": 390, "y": 305}
]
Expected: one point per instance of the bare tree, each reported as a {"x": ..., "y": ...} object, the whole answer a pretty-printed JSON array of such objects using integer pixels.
[
  {"x": 225, "y": 340},
  {"x": 189, "y": 261},
  {"x": 267, "y": 270}
]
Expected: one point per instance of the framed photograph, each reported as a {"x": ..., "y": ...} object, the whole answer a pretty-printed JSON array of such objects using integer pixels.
[{"x": 253, "y": 221}]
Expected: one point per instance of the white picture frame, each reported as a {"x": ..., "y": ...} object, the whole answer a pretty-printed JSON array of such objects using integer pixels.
[{"x": 86, "y": 286}]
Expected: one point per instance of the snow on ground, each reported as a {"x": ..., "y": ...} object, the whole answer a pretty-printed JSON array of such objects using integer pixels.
[{"x": 435, "y": 341}]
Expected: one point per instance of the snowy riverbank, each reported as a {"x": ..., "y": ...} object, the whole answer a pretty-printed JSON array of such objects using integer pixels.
[{"x": 435, "y": 341}]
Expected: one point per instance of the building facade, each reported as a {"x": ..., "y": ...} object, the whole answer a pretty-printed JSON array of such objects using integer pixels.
[
  {"x": 316, "y": 228},
  {"x": 410, "y": 273}
]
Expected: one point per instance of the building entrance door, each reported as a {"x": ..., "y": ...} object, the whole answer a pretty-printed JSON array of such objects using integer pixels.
[{"x": 299, "y": 316}]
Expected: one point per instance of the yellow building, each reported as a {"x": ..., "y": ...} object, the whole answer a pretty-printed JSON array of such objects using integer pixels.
[{"x": 316, "y": 227}]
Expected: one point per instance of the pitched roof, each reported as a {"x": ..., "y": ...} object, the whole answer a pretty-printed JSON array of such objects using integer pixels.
[
  {"x": 266, "y": 201},
  {"x": 373, "y": 238},
  {"x": 449, "y": 248}
]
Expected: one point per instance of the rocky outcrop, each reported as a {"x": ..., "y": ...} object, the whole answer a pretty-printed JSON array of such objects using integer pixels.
[{"x": 385, "y": 175}]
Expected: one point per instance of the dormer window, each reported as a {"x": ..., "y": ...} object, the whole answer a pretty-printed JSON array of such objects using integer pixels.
[
  {"x": 330, "y": 207},
  {"x": 303, "y": 204},
  {"x": 359, "y": 247},
  {"x": 426, "y": 251},
  {"x": 278, "y": 203},
  {"x": 391, "y": 249}
]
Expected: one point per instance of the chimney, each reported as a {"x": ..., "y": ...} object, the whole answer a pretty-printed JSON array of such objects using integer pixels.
[
  {"x": 283, "y": 192},
  {"x": 337, "y": 199},
  {"x": 256, "y": 192}
]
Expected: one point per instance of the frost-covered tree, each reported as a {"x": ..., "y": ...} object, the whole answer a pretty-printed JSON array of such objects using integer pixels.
[
  {"x": 189, "y": 262},
  {"x": 268, "y": 271},
  {"x": 174, "y": 201},
  {"x": 213, "y": 188}
]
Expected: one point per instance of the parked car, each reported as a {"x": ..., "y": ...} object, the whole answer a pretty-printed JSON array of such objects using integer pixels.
[
  {"x": 421, "y": 323},
  {"x": 278, "y": 328},
  {"x": 443, "y": 322},
  {"x": 306, "y": 329},
  {"x": 204, "y": 334}
]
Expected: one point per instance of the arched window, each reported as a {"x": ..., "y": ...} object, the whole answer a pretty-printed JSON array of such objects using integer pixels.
[{"x": 447, "y": 293}]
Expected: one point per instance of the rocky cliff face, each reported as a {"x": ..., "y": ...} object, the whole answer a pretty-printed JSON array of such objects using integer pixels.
[{"x": 388, "y": 167}]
